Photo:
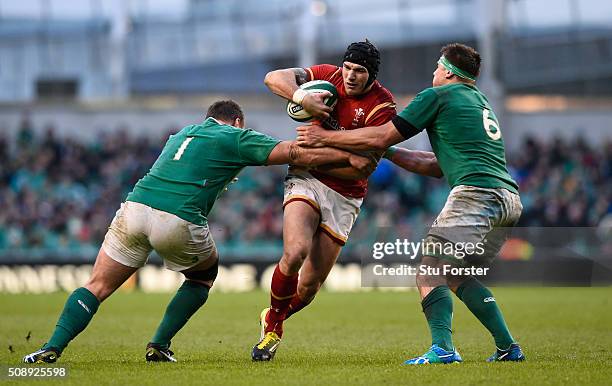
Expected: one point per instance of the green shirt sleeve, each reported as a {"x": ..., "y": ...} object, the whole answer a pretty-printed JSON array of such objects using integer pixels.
[
  {"x": 423, "y": 109},
  {"x": 254, "y": 147}
]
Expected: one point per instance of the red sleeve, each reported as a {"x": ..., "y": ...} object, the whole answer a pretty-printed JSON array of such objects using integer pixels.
[{"x": 321, "y": 71}]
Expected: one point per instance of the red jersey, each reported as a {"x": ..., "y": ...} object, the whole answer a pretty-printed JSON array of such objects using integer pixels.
[{"x": 374, "y": 108}]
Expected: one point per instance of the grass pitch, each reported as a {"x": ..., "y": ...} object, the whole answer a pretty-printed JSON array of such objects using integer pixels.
[{"x": 343, "y": 338}]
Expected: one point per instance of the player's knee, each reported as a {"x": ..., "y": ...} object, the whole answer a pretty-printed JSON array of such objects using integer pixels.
[
  {"x": 429, "y": 273},
  {"x": 420, "y": 280},
  {"x": 293, "y": 257},
  {"x": 455, "y": 281},
  {"x": 205, "y": 276}
]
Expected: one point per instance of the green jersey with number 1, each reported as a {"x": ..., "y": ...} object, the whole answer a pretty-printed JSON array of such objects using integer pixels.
[
  {"x": 464, "y": 135},
  {"x": 196, "y": 165}
]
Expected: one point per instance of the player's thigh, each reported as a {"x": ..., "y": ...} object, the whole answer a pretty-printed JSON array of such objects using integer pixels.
[
  {"x": 468, "y": 215},
  {"x": 508, "y": 213},
  {"x": 107, "y": 275},
  {"x": 511, "y": 207},
  {"x": 125, "y": 249},
  {"x": 301, "y": 211},
  {"x": 181, "y": 244},
  {"x": 338, "y": 213},
  {"x": 320, "y": 260},
  {"x": 300, "y": 222},
  {"x": 468, "y": 231},
  {"x": 127, "y": 239}
]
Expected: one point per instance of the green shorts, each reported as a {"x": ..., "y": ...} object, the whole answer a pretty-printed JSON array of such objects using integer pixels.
[{"x": 473, "y": 225}]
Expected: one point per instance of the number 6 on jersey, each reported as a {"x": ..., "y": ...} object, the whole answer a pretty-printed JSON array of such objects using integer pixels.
[{"x": 488, "y": 122}]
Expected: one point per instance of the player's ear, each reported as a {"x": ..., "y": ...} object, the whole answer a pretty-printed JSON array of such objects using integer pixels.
[
  {"x": 448, "y": 74},
  {"x": 238, "y": 123}
]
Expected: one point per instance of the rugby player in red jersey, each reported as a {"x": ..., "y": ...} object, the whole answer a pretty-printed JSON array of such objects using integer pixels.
[{"x": 322, "y": 204}]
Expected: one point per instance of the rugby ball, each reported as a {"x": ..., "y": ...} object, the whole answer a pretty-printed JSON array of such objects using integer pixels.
[{"x": 297, "y": 112}]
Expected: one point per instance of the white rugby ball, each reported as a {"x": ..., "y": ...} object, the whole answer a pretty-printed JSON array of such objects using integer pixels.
[{"x": 297, "y": 112}]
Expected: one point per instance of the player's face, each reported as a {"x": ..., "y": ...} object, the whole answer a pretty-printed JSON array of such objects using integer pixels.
[
  {"x": 440, "y": 76},
  {"x": 355, "y": 77}
]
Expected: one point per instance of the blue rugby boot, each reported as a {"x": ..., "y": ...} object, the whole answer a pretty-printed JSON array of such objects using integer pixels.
[
  {"x": 436, "y": 354},
  {"x": 512, "y": 354}
]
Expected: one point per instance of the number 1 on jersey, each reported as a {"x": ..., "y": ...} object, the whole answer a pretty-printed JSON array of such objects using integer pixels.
[{"x": 181, "y": 149}]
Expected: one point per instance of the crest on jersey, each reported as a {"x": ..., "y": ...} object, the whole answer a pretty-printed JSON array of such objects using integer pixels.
[{"x": 358, "y": 114}]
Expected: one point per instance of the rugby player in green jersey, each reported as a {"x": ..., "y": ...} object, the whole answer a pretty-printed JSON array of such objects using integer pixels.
[
  {"x": 484, "y": 200},
  {"x": 167, "y": 212}
]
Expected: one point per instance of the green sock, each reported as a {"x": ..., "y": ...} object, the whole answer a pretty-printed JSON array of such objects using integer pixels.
[
  {"x": 438, "y": 309},
  {"x": 80, "y": 307},
  {"x": 188, "y": 299},
  {"x": 481, "y": 302}
]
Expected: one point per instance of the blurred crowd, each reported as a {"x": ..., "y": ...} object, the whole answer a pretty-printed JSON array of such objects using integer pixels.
[{"x": 58, "y": 193}]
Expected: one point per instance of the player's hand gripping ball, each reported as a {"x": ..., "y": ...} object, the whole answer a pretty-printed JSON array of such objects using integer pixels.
[{"x": 298, "y": 113}]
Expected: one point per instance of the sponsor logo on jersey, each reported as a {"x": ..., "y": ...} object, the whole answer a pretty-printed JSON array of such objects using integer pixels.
[{"x": 489, "y": 299}]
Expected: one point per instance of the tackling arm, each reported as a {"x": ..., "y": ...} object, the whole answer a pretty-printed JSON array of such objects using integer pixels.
[
  {"x": 288, "y": 152},
  {"x": 419, "y": 162},
  {"x": 350, "y": 172},
  {"x": 377, "y": 138}
]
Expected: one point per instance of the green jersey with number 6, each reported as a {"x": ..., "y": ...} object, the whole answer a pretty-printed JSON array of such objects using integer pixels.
[
  {"x": 464, "y": 135},
  {"x": 196, "y": 165}
]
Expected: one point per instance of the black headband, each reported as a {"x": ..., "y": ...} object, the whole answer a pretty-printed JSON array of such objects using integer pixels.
[{"x": 364, "y": 54}]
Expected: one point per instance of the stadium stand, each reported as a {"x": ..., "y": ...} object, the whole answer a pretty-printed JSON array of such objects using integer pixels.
[{"x": 58, "y": 195}]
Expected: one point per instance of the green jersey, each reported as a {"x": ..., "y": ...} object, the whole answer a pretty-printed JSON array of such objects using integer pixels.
[
  {"x": 196, "y": 165},
  {"x": 464, "y": 135}
]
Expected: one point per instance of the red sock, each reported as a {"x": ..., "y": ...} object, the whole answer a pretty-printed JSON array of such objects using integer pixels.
[
  {"x": 282, "y": 291},
  {"x": 296, "y": 305}
]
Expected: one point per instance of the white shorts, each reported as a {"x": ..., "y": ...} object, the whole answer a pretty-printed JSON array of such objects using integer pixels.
[
  {"x": 138, "y": 229},
  {"x": 472, "y": 216},
  {"x": 338, "y": 213}
]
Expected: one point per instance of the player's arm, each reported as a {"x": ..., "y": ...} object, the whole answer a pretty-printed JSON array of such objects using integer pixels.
[
  {"x": 350, "y": 172},
  {"x": 286, "y": 82},
  {"x": 377, "y": 138},
  {"x": 380, "y": 114},
  {"x": 288, "y": 152},
  {"x": 419, "y": 114},
  {"x": 416, "y": 161}
]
